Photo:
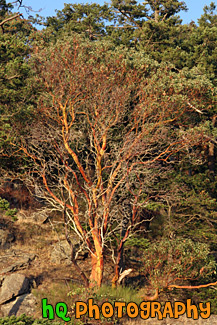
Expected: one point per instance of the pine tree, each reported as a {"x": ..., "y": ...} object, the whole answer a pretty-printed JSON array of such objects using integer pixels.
[
  {"x": 151, "y": 27},
  {"x": 15, "y": 85},
  {"x": 87, "y": 19}
]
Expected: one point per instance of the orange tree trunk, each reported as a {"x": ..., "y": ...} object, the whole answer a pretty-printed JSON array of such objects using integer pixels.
[{"x": 97, "y": 269}]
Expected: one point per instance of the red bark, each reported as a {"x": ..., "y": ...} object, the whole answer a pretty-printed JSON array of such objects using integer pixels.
[{"x": 97, "y": 262}]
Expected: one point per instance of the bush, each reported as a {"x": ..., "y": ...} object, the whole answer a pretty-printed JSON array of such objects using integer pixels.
[{"x": 170, "y": 262}]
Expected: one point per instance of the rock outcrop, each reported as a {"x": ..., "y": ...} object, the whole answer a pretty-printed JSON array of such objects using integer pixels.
[
  {"x": 18, "y": 263},
  {"x": 13, "y": 285},
  {"x": 24, "y": 304}
]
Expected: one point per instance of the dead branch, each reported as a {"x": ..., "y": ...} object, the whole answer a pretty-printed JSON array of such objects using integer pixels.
[
  {"x": 124, "y": 274},
  {"x": 194, "y": 108}
]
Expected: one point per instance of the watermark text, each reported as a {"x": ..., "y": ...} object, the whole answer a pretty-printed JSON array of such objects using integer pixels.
[{"x": 144, "y": 310}]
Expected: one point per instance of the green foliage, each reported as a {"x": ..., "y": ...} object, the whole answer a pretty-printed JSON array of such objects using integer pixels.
[
  {"x": 26, "y": 320},
  {"x": 168, "y": 262},
  {"x": 139, "y": 242},
  {"x": 4, "y": 7},
  {"x": 5, "y": 206},
  {"x": 158, "y": 11},
  {"x": 16, "y": 88},
  {"x": 86, "y": 19},
  {"x": 207, "y": 294},
  {"x": 209, "y": 17},
  {"x": 12, "y": 213}
]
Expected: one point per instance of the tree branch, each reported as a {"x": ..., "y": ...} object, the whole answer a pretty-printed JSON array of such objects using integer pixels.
[
  {"x": 192, "y": 287},
  {"x": 8, "y": 19},
  {"x": 196, "y": 109}
]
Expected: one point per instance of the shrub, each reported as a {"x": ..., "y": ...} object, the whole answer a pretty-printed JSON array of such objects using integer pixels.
[{"x": 173, "y": 262}]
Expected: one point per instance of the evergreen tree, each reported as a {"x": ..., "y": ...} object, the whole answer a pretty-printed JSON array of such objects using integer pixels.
[
  {"x": 87, "y": 19},
  {"x": 152, "y": 24},
  {"x": 15, "y": 86},
  {"x": 204, "y": 41}
]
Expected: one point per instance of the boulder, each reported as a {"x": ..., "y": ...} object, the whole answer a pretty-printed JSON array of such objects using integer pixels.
[
  {"x": 24, "y": 304},
  {"x": 61, "y": 252},
  {"x": 13, "y": 285}
]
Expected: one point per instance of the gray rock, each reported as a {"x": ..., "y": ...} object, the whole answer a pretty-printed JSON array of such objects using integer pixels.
[
  {"x": 13, "y": 285},
  {"x": 60, "y": 253},
  {"x": 21, "y": 263},
  {"x": 25, "y": 304},
  {"x": 35, "y": 217}
]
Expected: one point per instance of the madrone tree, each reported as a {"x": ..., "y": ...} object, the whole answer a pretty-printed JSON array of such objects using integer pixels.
[{"x": 106, "y": 127}]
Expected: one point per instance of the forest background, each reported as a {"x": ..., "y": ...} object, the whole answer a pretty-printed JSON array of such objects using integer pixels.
[{"x": 109, "y": 114}]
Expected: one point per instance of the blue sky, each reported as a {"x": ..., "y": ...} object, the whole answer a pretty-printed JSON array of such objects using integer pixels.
[{"x": 48, "y": 7}]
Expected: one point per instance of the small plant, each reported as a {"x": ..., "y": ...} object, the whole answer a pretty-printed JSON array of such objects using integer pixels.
[
  {"x": 12, "y": 213},
  {"x": 5, "y": 206}
]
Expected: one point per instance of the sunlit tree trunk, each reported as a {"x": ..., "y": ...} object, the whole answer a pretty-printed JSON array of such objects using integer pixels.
[{"x": 97, "y": 268}]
